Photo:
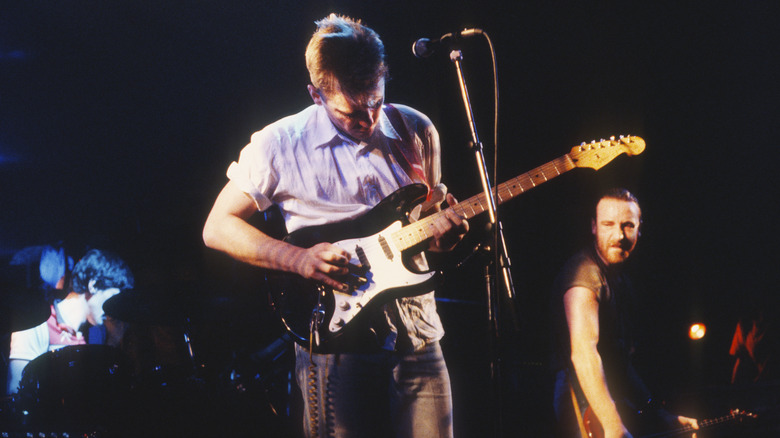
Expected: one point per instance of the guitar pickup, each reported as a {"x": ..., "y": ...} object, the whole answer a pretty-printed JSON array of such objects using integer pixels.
[
  {"x": 363, "y": 259},
  {"x": 359, "y": 271}
]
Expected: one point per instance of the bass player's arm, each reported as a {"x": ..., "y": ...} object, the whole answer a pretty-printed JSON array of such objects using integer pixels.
[{"x": 582, "y": 315}]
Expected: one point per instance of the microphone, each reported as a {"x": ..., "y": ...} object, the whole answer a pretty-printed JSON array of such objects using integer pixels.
[{"x": 424, "y": 47}]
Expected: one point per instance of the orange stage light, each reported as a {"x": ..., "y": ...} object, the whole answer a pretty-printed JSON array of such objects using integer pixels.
[{"x": 697, "y": 331}]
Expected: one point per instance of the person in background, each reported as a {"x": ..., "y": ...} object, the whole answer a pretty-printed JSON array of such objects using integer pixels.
[
  {"x": 45, "y": 269},
  {"x": 98, "y": 276},
  {"x": 592, "y": 307},
  {"x": 756, "y": 344}
]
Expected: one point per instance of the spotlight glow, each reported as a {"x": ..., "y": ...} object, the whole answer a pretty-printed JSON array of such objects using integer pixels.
[{"x": 697, "y": 331}]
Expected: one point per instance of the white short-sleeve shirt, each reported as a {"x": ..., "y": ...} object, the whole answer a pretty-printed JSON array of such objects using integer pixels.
[{"x": 317, "y": 176}]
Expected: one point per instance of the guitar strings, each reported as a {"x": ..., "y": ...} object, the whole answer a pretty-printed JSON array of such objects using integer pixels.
[{"x": 416, "y": 232}]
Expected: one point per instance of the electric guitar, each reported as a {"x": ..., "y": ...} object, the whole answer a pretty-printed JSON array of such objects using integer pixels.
[
  {"x": 382, "y": 243},
  {"x": 591, "y": 428}
]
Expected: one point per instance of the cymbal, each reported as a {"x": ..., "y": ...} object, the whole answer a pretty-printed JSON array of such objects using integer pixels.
[
  {"x": 21, "y": 309},
  {"x": 145, "y": 308}
]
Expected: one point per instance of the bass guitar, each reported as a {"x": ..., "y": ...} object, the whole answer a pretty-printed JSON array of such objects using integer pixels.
[{"x": 383, "y": 241}]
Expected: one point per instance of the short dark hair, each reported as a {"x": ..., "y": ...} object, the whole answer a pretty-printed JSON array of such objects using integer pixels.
[
  {"x": 343, "y": 52},
  {"x": 106, "y": 268},
  {"x": 617, "y": 193}
]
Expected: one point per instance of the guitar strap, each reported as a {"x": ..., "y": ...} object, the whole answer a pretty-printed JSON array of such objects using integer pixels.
[{"x": 408, "y": 158}]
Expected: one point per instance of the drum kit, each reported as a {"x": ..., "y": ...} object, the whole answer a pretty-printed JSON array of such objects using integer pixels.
[{"x": 122, "y": 391}]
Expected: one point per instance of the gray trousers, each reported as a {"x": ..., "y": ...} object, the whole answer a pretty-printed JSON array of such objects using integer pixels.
[{"x": 385, "y": 394}]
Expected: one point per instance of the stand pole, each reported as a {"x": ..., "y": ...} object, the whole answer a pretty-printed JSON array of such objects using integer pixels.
[{"x": 500, "y": 257}]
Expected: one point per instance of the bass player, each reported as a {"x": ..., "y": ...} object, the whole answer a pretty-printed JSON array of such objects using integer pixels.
[{"x": 592, "y": 304}]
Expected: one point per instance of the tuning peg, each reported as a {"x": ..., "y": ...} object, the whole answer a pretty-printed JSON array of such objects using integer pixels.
[{"x": 612, "y": 138}]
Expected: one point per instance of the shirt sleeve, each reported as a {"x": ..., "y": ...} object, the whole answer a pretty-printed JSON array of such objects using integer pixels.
[
  {"x": 582, "y": 272},
  {"x": 430, "y": 149},
  {"x": 29, "y": 344},
  {"x": 426, "y": 139},
  {"x": 254, "y": 173}
]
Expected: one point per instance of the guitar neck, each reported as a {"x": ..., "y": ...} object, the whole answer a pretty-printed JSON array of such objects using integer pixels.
[
  {"x": 716, "y": 421},
  {"x": 418, "y": 232},
  {"x": 735, "y": 415}
]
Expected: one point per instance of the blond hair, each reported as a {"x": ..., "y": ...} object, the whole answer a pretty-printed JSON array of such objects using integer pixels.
[{"x": 344, "y": 54}]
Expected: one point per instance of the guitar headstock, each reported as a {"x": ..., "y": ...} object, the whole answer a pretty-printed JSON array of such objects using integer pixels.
[
  {"x": 740, "y": 415},
  {"x": 596, "y": 154}
]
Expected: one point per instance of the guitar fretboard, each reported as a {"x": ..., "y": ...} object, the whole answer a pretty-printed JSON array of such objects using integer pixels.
[
  {"x": 735, "y": 416},
  {"x": 419, "y": 231}
]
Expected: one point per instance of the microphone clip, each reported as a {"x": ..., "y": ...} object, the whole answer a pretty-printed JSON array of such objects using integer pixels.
[{"x": 424, "y": 47}]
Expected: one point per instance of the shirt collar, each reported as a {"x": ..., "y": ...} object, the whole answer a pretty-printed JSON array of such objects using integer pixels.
[{"x": 328, "y": 135}]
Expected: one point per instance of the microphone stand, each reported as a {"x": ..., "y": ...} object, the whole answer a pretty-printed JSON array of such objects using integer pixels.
[{"x": 498, "y": 248}]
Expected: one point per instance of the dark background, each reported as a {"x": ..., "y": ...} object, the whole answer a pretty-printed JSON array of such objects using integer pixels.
[{"x": 118, "y": 120}]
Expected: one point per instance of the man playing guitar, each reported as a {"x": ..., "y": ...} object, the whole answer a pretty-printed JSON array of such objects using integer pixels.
[
  {"x": 592, "y": 302},
  {"x": 330, "y": 163}
]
